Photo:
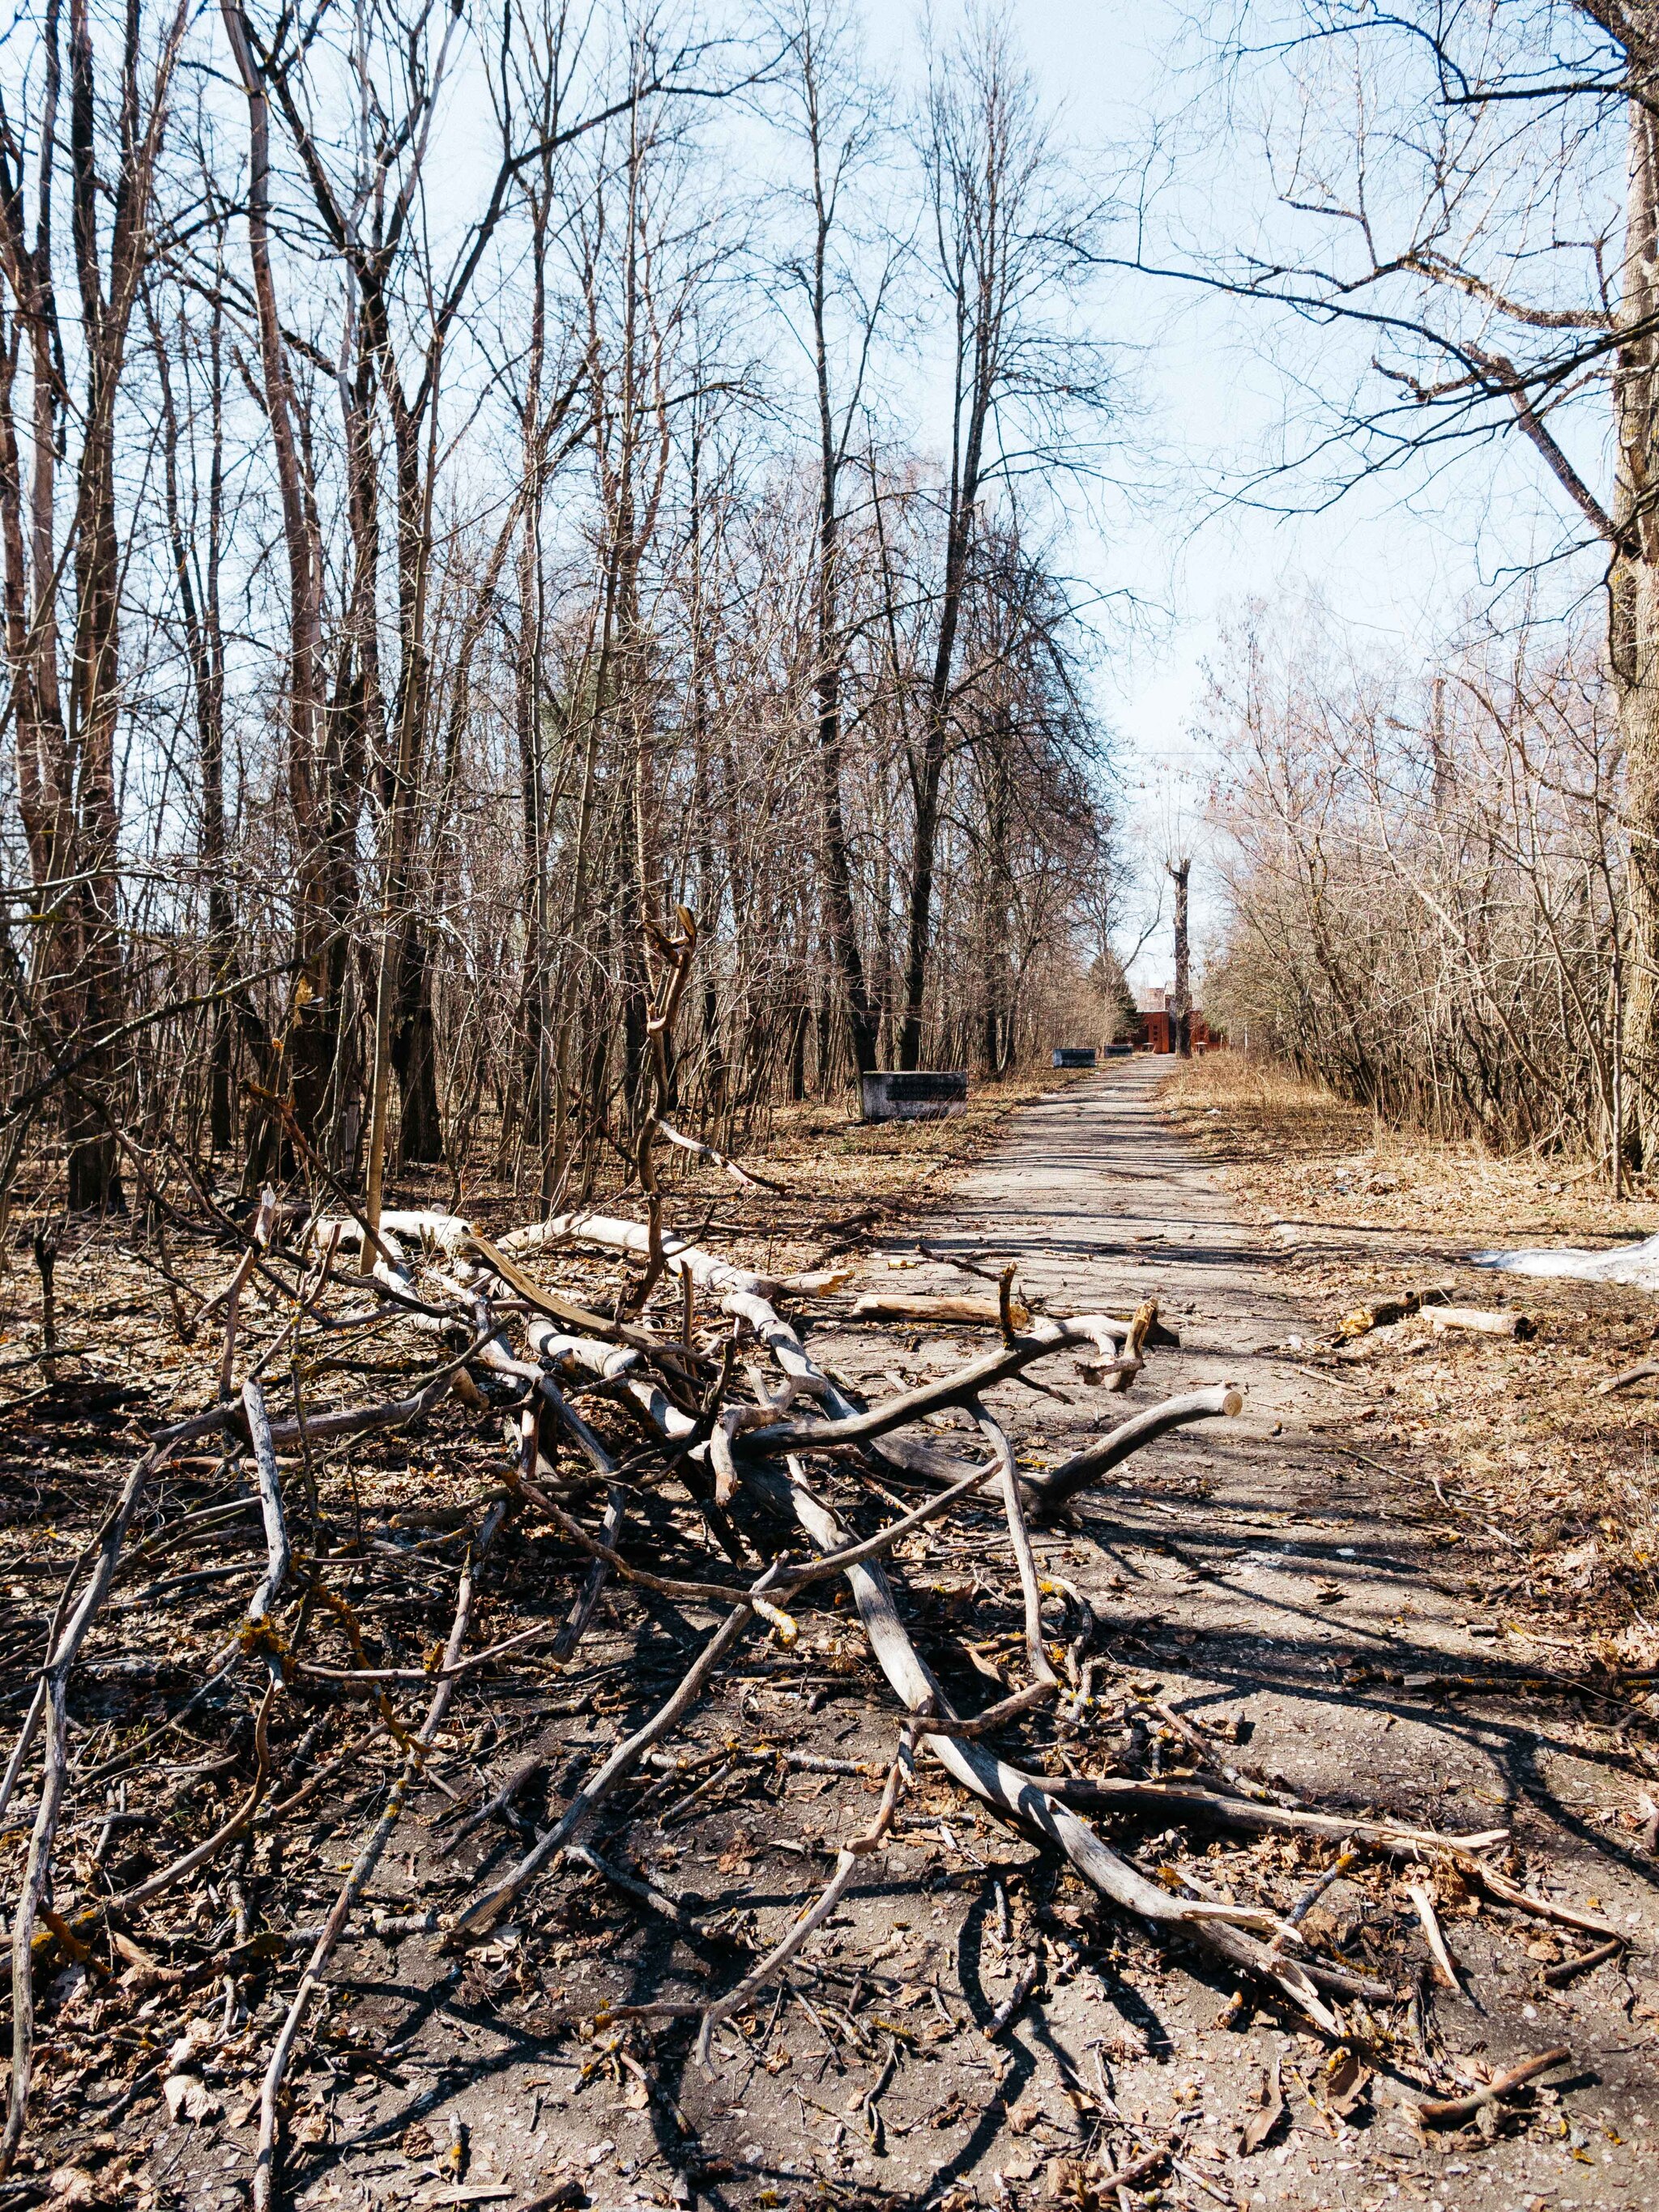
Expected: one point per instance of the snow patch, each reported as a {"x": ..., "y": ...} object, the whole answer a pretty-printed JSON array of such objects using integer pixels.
[{"x": 1636, "y": 1265}]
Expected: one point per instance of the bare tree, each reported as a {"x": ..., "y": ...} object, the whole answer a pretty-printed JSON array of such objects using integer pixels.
[
  {"x": 835, "y": 111},
  {"x": 1426, "y": 880},
  {"x": 493, "y": 579},
  {"x": 316, "y": 1005},
  {"x": 1008, "y": 235},
  {"x": 196, "y": 526},
  {"x": 1472, "y": 194},
  {"x": 66, "y": 746}
]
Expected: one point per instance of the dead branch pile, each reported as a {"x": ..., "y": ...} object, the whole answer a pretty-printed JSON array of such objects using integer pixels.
[{"x": 462, "y": 1543}]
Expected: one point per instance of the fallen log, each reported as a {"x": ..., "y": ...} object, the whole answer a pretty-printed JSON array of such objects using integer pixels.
[
  {"x": 1504, "y": 1892},
  {"x": 1008, "y": 1791},
  {"x": 1054, "y": 1485},
  {"x": 460, "y": 1239},
  {"x": 1643, "y": 1372},
  {"x": 954, "y": 1389},
  {"x": 1482, "y": 1322},
  {"x": 1452, "y": 2111},
  {"x": 1187, "y": 1801},
  {"x": 680, "y": 1257},
  {"x": 326, "y": 1427},
  {"x": 1569, "y": 1969},
  {"x": 1382, "y": 1315},
  {"x": 974, "y": 1313}
]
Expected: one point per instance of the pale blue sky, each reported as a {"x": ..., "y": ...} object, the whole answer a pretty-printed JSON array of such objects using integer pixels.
[{"x": 1401, "y": 561}]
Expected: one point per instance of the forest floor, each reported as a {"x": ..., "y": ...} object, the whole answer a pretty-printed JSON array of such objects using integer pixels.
[
  {"x": 1357, "y": 1214},
  {"x": 1287, "y": 1589}
]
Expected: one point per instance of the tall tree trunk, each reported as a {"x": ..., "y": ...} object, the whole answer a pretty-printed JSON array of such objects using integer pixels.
[
  {"x": 93, "y": 984},
  {"x": 1633, "y": 623},
  {"x": 840, "y": 925},
  {"x": 316, "y": 1012},
  {"x": 540, "y": 1076},
  {"x": 976, "y": 370},
  {"x": 110, "y": 227},
  {"x": 714, "y": 1086},
  {"x": 413, "y": 1051},
  {"x": 355, "y": 735},
  {"x": 925, "y": 837},
  {"x": 997, "y": 749},
  {"x": 1180, "y": 871},
  {"x": 403, "y": 992},
  {"x": 196, "y": 561}
]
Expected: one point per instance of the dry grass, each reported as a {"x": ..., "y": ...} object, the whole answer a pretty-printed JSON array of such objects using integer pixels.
[
  {"x": 1552, "y": 1482},
  {"x": 1289, "y": 1142}
]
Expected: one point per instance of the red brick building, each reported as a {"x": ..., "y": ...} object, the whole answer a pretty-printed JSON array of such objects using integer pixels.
[{"x": 1157, "y": 1031}]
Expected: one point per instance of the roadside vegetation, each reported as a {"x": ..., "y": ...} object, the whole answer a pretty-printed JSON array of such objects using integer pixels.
[{"x": 1536, "y": 1473}]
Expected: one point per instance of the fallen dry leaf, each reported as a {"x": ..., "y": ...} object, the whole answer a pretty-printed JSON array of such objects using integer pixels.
[
  {"x": 189, "y": 2098},
  {"x": 1346, "y": 2083},
  {"x": 1262, "y": 2124}
]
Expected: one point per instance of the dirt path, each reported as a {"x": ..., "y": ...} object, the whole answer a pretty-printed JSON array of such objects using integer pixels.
[
  {"x": 1255, "y": 1571},
  {"x": 1259, "y": 1571}
]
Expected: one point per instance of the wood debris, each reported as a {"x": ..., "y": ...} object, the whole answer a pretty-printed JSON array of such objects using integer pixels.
[{"x": 468, "y": 1596}]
